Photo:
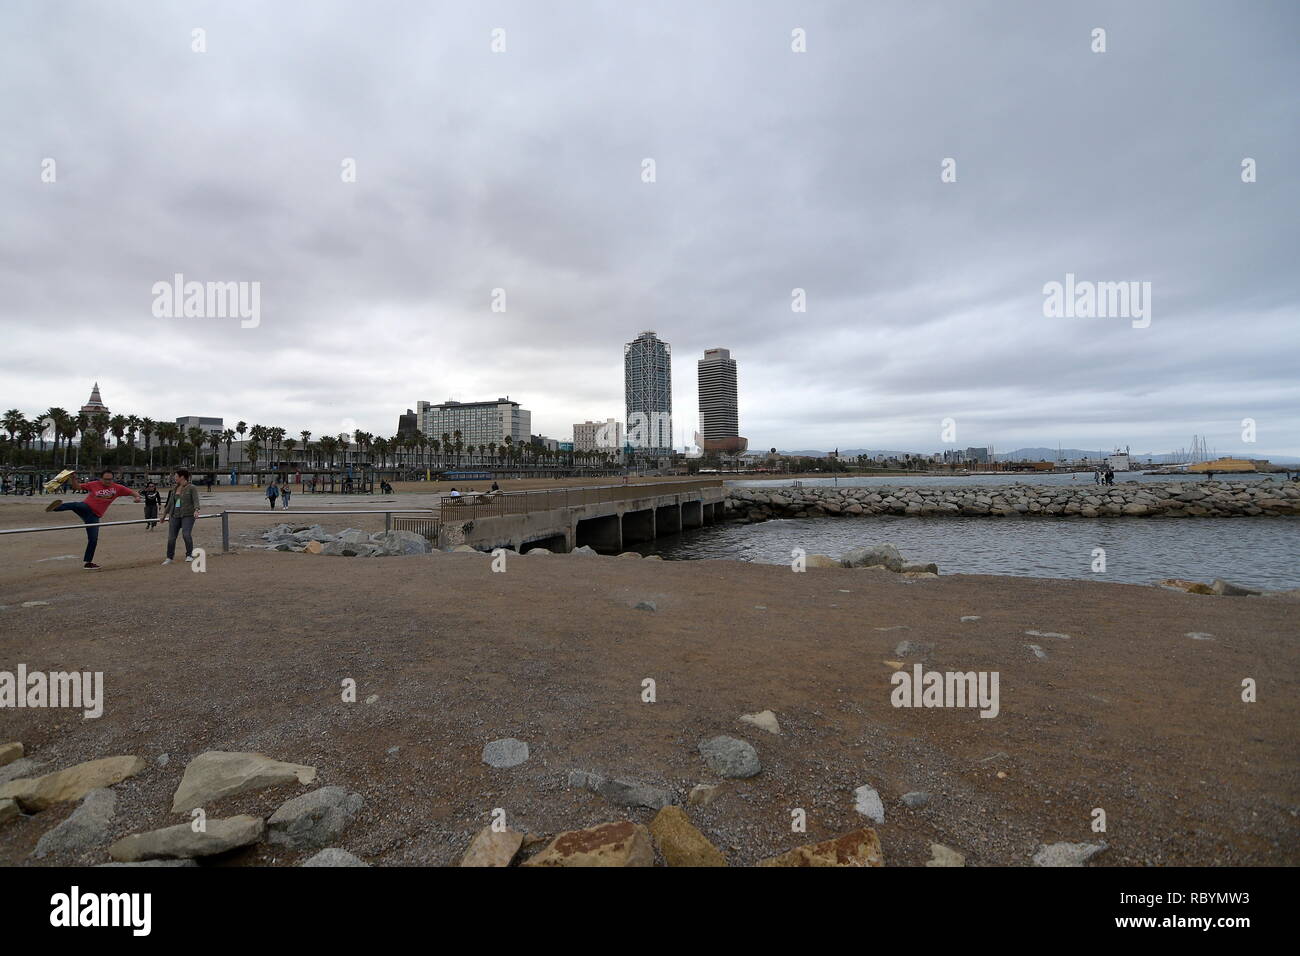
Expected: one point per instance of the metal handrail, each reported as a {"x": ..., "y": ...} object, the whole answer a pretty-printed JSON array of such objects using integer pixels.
[{"x": 96, "y": 524}]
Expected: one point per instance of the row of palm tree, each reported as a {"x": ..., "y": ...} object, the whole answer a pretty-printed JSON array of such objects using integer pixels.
[{"x": 119, "y": 437}]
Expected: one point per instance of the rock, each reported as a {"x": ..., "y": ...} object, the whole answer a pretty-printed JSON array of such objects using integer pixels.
[
  {"x": 630, "y": 554},
  {"x": 885, "y": 555},
  {"x": 585, "y": 551},
  {"x": 929, "y": 568},
  {"x": 10, "y": 752},
  {"x": 150, "y": 863},
  {"x": 729, "y": 757},
  {"x": 333, "y": 856},
  {"x": 611, "y": 844},
  {"x": 967, "y": 619},
  {"x": 765, "y": 720},
  {"x": 73, "y": 783},
  {"x": 859, "y": 848},
  {"x": 464, "y": 549},
  {"x": 914, "y": 649},
  {"x": 622, "y": 791},
  {"x": 1038, "y": 651},
  {"x": 868, "y": 803},
  {"x": 22, "y": 767},
  {"x": 87, "y": 826},
  {"x": 1228, "y": 589},
  {"x": 219, "y": 773},
  {"x": 402, "y": 543},
  {"x": 492, "y": 848},
  {"x": 821, "y": 561},
  {"x": 915, "y": 799},
  {"x": 506, "y": 752},
  {"x": 163, "y": 760},
  {"x": 1199, "y": 636},
  {"x": 1056, "y": 634},
  {"x": 702, "y": 794},
  {"x": 314, "y": 547},
  {"x": 941, "y": 855},
  {"x": 680, "y": 843},
  {"x": 653, "y": 557},
  {"x": 645, "y": 606},
  {"x": 8, "y": 810},
  {"x": 180, "y": 841},
  {"x": 314, "y": 819},
  {"x": 1192, "y": 587},
  {"x": 1067, "y": 854}
]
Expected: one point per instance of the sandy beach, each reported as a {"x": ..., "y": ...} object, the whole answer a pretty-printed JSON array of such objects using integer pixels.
[{"x": 1126, "y": 711}]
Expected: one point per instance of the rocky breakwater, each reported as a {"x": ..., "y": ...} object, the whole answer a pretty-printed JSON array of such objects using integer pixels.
[
  {"x": 1200, "y": 499},
  {"x": 350, "y": 543}
]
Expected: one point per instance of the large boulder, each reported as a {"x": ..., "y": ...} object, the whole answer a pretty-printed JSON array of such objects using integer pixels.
[
  {"x": 402, "y": 543},
  {"x": 879, "y": 555},
  {"x": 218, "y": 773},
  {"x": 315, "y": 819},
  {"x": 87, "y": 826},
  {"x": 10, "y": 752},
  {"x": 493, "y": 847},
  {"x": 333, "y": 856},
  {"x": 729, "y": 757},
  {"x": 182, "y": 842},
  {"x": 681, "y": 843},
  {"x": 72, "y": 783},
  {"x": 622, "y": 791},
  {"x": 859, "y": 848},
  {"x": 611, "y": 844}
]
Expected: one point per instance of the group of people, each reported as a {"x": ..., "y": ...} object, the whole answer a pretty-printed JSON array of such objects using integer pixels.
[
  {"x": 1106, "y": 477},
  {"x": 179, "y": 511},
  {"x": 274, "y": 490}
]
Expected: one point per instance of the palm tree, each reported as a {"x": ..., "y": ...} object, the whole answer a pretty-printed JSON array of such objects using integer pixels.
[
  {"x": 117, "y": 425},
  {"x": 214, "y": 443},
  {"x": 12, "y": 422},
  {"x": 147, "y": 428},
  {"x": 132, "y": 426},
  {"x": 228, "y": 436}
]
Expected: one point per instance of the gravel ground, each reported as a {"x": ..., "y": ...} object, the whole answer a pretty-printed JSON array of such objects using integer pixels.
[{"x": 1127, "y": 714}]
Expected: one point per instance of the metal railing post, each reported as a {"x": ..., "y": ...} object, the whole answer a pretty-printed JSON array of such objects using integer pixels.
[
  {"x": 225, "y": 531},
  {"x": 388, "y": 521}
]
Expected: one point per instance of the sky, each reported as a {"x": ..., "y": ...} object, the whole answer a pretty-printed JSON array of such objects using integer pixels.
[{"x": 503, "y": 146}]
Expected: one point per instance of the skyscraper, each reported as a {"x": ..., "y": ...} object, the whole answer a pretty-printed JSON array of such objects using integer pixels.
[
  {"x": 648, "y": 388},
  {"x": 719, "y": 420}
]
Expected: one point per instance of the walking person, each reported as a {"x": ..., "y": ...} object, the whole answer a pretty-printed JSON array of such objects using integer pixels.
[
  {"x": 181, "y": 510},
  {"x": 284, "y": 496},
  {"x": 99, "y": 495},
  {"x": 272, "y": 492},
  {"x": 152, "y": 499}
]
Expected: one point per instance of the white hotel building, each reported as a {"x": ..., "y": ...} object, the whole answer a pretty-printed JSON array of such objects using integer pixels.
[{"x": 479, "y": 423}]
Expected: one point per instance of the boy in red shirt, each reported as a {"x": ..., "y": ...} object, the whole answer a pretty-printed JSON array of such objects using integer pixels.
[{"x": 100, "y": 494}]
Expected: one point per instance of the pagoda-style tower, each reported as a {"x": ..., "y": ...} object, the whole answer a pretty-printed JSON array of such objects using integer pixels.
[{"x": 96, "y": 404}]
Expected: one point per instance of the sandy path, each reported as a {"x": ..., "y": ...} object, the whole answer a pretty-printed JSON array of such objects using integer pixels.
[{"x": 1128, "y": 714}]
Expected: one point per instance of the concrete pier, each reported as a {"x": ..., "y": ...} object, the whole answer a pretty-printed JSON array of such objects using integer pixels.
[{"x": 634, "y": 514}]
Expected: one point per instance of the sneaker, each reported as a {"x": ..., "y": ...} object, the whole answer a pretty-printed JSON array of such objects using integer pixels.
[
  {"x": 167, "y": 560},
  {"x": 90, "y": 566},
  {"x": 189, "y": 558},
  {"x": 53, "y": 504}
]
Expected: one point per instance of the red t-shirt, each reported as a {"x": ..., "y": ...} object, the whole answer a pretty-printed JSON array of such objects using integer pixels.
[{"x": 100, "y": 497}]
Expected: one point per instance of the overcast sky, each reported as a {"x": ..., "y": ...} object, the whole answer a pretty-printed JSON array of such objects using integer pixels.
[{"x": 522, "y": 170}]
